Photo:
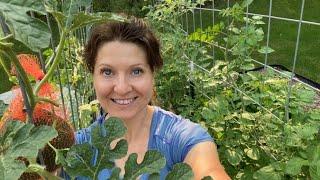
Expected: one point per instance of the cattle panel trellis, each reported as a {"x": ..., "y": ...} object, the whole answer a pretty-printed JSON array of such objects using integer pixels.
[{"x": 197, "y": 23}]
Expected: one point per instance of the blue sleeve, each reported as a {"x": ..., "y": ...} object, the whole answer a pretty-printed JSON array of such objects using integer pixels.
[{"x": 186, "y": 135}]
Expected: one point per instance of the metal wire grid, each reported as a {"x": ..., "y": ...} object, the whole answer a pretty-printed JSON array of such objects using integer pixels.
[{"x": 291, "y": 76}]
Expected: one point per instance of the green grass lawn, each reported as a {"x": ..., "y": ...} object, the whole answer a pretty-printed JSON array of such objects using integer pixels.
[{"x": 283, "y": 34}]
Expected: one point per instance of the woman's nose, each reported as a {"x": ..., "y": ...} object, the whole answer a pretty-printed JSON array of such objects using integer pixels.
[{"x": 122, "y": 85}]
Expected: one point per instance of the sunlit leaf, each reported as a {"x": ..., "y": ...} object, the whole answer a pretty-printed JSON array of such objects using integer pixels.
[
  {"x": 265, "y": 50},
  {"x": 252, "y": 153},
  {"x": 30, "y": 31},
  {"x": 234, "y": 156}
]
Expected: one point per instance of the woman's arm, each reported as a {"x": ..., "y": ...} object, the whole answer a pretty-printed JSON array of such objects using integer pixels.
[{"x": 204, "y": 161}]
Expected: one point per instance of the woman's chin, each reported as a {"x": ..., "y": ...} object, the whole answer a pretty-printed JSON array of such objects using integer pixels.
[{"x": 123, "y": 117}]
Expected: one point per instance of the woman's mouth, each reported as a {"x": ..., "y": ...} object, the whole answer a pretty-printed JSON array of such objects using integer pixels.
[{"x": 123, "y": 101}]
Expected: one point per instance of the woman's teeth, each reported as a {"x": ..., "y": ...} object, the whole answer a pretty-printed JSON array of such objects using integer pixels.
[{"x": 123, "y": 101}]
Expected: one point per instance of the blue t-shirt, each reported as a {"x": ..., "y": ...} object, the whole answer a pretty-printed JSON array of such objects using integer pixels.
[{"x": 170, "y": 134}]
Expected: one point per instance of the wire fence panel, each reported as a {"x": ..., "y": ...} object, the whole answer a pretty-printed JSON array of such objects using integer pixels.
[{"x": 198, "y": 23}]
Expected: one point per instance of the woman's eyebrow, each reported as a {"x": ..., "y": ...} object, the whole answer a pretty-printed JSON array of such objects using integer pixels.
[
  {"x": 104, "y": 64},
  {"x": 138, "y": 64}
]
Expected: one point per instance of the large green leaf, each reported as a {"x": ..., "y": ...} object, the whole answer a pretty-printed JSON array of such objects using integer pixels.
[
  {"x": 234, "y": 156},
  {"x": 294, "y": 165},
  {"x": 70, "y": 18},
  {"x": 101, "y": 139},
  {"x": 152, "y": 163},
  {"x": 180, "y": 171},
  {"x": 267, "y": 172},
  {"x": 307, "y": 131},
  {"x": 79, "y": 160},
  {"x": 252, "y": 153},
  {"x": 21, "y": 140},
  {"x": 81, "y": 19},
  {"x": 30, "y": 31}
]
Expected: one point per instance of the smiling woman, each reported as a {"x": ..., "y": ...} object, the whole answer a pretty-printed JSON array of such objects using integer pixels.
[
  {"x": 123, "y": 58},
  {"x": 123, "y": 80}
]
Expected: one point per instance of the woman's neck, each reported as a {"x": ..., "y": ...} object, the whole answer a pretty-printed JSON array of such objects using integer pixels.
[{"x": 139, "y": 127}]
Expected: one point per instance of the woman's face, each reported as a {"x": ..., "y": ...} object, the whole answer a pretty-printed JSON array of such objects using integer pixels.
[{"x": 122, "y": 79}]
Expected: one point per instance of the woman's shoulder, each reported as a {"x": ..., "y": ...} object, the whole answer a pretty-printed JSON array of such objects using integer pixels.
[
  {"x": 167, "y": 122},
  {"x": 174, "y": 129},
  {"x": 174, "y": 135}
]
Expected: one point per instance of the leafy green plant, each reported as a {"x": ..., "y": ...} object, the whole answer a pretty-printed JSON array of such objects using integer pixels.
[
  {"x": 35, "y": 34},
  {"x": 18, "y": 141},
  {"x": 83, "y": 159},
  {"x": 79, "y": 157},
  {"x": 243, "y": 110}
]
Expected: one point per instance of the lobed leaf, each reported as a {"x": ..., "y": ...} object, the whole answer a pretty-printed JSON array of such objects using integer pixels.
[
  {"x": 180, "y": 171},
  {"x": 89, "y": 159},
  {"x": 79, "y": 161},
  {"x": 152, "y": 163}
]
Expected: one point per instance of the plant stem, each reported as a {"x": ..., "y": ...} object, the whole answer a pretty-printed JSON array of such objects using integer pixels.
[
  {"x": 8, "y": 53},
  {"x": 4, "y": 65},
  {"x": 39, "y": 99},
  {"x": 55, "y": 61}
]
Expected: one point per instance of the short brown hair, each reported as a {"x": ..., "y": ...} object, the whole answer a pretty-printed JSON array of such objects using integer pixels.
[{"x": 135, "y": 31}]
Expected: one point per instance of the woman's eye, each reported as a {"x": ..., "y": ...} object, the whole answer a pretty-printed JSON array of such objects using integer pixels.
[
  {"x": 106, "y": 72},
  {"x": 137, "y": 72}
]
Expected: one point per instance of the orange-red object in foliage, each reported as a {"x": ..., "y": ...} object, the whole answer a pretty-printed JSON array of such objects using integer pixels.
[
  {"x": 16, "y": 109},
  {"x": 30, "y": 64},
  {"x": 44, "y": 113}
]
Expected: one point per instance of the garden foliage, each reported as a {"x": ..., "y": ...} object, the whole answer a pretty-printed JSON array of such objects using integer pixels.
[
  {"x": 244, "y": 110},
  {"x": 20, "y": 142}
]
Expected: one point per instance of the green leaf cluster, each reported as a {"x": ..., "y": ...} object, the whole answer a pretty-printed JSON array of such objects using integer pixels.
[
  {"x": 244, "y": 110},
  {"x": 19, "y": 140},
  {"x": 88, "y": 159}
]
